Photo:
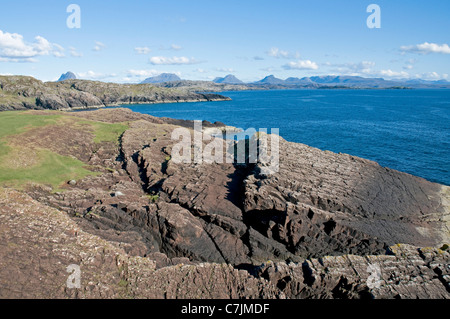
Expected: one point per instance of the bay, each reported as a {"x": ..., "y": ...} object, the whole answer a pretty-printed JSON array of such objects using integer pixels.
[{"x": 407, "y": 130}]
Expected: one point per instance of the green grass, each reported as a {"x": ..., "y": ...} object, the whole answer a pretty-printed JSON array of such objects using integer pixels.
[
  {"x": 153, "y": 198},
  {"x": 4, "y": 149},
  {"x": 49, "y": 168},
  {"x": 106, "y": 132},
  {"x": 12, "y": 123},
  {"x": 52, "y": 169}
]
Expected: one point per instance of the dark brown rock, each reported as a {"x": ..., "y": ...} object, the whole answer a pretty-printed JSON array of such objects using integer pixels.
[
  {"x": 407, "y": 273},
  {"x": 324, "y": 203},
  {"x": 195, "y": 221}
]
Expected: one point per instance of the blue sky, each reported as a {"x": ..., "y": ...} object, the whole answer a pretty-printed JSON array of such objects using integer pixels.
[{"x": 127, "y": 41}]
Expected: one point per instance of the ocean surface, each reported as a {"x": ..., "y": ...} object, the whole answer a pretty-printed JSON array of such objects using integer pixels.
[{"x": 407, "y": 130}]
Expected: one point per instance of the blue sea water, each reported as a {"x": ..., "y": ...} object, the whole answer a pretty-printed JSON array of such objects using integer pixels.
[{"x": 407, "y": 130}]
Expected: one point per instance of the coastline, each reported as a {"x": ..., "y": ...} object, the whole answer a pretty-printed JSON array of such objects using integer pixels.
[
  {"x": 139, "y": 214},
  {"x": 22, "y": 92},
  {"x": 96, "y": 107}
]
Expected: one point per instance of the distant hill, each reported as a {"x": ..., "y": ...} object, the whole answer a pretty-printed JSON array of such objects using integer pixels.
[
  {"x": 331, "y": 81},
  {"x": 229, "y": 79},
  {"x": 351, "y": 80},
  {"x": 420, "y": 81},
  {"x": 297, "y": 81},
  {"x": 163, "y": 77},
  {"x": 230, "y": 82},
  {"x": 270, "y": 80},
  {"x": 314, "y": 82},
  {"x": 67, "y": 76}
]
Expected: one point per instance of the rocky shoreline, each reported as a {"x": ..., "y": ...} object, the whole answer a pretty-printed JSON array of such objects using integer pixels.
[
  {"x": 21, "y": 93},
  {"x": 322, "y": 227}
]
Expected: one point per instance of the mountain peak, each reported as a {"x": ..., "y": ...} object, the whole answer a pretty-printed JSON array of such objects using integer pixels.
[
  {"x": 270, "y": 79},
  {"x": 67, "y": 76},
  {"x": 229, "y": 79},
  {"x": 163, "y": 77}
]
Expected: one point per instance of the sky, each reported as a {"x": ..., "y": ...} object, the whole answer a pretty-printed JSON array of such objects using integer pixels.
[{"x": 128, "y": 41}]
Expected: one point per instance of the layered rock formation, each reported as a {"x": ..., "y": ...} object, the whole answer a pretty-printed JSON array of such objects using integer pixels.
[{"x": 325, "y": 225}]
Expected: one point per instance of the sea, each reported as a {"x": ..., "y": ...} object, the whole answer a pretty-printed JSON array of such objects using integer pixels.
[{"x": 406, "y": 130}]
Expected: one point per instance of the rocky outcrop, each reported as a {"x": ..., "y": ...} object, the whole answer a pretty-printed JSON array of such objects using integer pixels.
[
  {"x": 38, "y": 243},
  {"x": 406, "y": 272},
  {"x": 20, "y": 92},
  {"x": 325, "y": 225},
  {"x": 322, "y": 203}
]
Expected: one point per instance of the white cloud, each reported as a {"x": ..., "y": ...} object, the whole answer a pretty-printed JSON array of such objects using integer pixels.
[
  {"x": 142, "y": 73},
  {"x": 91, "y": 75},
  {"x": 13, "y": 48},
  {"x": 426, "y": 48},
  {"x": 364, "y": 67},
  {"x": 226, "y": 70},
  {"x": 142, "y": 50},
  {"x": 301, "y": 65},
  {"x": 277, "y": 53},
  {"x": 175, "y": 47},
  {"x": 58, "y": 51},
  {"x": 99, "y": 46},
  {"x": 269, "y": 69},
  {"x": 161, "y": 60},
  {"x": 19, "y": 60},
  {"x": 393, "y": 74},
  {"x": 146, "y": 73},
  {"x": 74, "y": 53},
  {"x": 432, "y": 76},
  {"x": 201, "y": 70}
]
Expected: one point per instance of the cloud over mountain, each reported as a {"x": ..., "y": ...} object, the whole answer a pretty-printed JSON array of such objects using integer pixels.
[
  {"x": 426, "y": 48},
  {"x": 301, "y": 65},
  {"x": 161, "y": 60}
]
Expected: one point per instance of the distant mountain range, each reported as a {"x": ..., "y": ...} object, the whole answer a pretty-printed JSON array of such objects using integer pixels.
[
  {"x": 271, "y": 82},
  {"x": 351, "y": 82},
  {"x": 162, "y": 78},
  {"x": 335, "y": 81}
]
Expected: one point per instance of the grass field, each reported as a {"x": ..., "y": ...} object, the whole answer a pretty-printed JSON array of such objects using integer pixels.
[
  {"x": 106, "y": 132},
  {"x": 23, "y": 164}
]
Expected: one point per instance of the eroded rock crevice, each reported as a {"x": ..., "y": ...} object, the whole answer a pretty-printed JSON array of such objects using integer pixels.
[{"x": 277, "y": 229}]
